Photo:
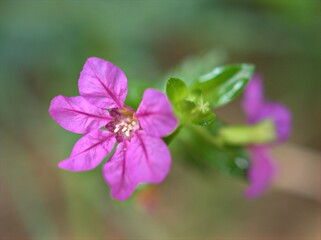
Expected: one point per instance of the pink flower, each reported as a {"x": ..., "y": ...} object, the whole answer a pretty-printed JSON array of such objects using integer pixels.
[
  {"x": 141, "y": 156},
  {"x": 262, "y": 169}
]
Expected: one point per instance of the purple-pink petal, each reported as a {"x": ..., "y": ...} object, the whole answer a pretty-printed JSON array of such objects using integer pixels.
[
  {"x": 280, "y": 115},
  {"x": 261, "y": 172},
  {"x": 257, "y": 109},
  {"x": 155, "y": 114},
  {"x": 150, "y": 158},
  {"x": 89, "y": 151},
  {"x": 144, "y": 159},
  {"x": 77, "y": 115},
  {"x": 253, "y": 98},
  {"x": 116, "y": 174},
  {"x": 103, "y": 84}
]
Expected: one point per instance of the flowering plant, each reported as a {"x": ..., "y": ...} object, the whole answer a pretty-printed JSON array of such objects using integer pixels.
[{"x": 141, "y": 155}]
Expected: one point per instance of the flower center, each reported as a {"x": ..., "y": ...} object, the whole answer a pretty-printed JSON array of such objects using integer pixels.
[{"x": 124, "y": 124}]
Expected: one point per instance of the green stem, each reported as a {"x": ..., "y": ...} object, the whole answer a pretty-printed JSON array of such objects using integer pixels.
[{"x": 203, "y": 132}]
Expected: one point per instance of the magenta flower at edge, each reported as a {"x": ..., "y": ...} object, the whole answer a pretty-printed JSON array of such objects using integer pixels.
[
  {"x": 141, "y": 156},
  {"x": 262, "y": 168}
]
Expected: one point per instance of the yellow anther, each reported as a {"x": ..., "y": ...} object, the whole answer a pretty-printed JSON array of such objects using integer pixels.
[
  {"x": 124, "y": 129},
  {"x": 116, "y": 129},
  {"x": 130, "y": 127}
]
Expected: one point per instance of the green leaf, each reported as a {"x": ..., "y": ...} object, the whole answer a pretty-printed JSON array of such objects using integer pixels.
[
  {"x": 223, "y": 84},
  {"x": 176, "y": 90},
  {"x": 204, "y": 119},
  {"x": 194, "y": 66},
  {"x": 185, "y": 106}
]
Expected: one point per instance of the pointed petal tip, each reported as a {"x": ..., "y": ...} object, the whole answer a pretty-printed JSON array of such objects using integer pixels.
[
  {"x": 102, "y": 83},
  {"x": 89, "y": 151},
  {"x": 68, "y": 166},
  {"x": 65, "y": 165},
  {"x": 53, "y": 101},
  {"x": 60, "y": 165},
  {"x": 93, "y": 58},
  {"x": 77, "y": 115},
  {"x": 120, "y": 197},
  {"x": 116, "y": 175}
]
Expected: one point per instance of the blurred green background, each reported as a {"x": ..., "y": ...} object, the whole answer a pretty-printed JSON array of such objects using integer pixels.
[{"x": 43, "y": 46}]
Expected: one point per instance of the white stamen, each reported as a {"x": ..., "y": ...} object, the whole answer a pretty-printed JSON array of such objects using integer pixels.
[{"x": 127, "y": 133}]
